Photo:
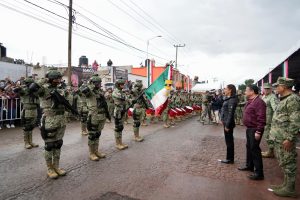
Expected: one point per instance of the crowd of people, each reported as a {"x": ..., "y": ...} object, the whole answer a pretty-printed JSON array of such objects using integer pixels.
[{"x": 9, "y": 102}]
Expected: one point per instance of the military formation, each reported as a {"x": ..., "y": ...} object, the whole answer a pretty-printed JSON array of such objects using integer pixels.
[{"x": 95, "y": 107}]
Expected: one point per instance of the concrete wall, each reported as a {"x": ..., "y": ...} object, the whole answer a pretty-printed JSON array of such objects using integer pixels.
[{"x": 14, "y": 71}]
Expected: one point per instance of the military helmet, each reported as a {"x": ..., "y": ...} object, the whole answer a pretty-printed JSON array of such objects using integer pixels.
[
  {"x": 53, "y": 74},
  {"x": 284, "y": 81},
  {"x": 28, "y": 80},
  {"x": 95, "y": 79},
  {"x": 119, "y": 82},
  {"x": 138, "y": 84}
]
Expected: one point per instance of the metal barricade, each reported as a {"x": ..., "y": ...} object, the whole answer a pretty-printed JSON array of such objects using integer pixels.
[{"x": 10, "y": 109}]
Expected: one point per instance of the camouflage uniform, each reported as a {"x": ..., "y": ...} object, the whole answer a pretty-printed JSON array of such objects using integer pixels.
[
  {"x": 119, "y": 113},
  {"x": 165, "y": 113},
  {"x": 97, "y": 114},
  {"x": 138, "y": 109},
  {"x": 271, "y": 102},
  {"x": 128, "y": 100},
  {"x": 240, "y": 108},
  {"x": 53, "y": 122},
  {"x": 110, "y": 102},
  {"x": 69, "y": 97},
  {"x": 83, "y": 111},
  {"x": 205, "y": 107},
  {"x": 284, "y": 129},
  {"x": 29, "y": 100}
]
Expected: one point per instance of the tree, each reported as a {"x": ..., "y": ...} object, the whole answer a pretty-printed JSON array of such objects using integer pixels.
[
  {"x": 242, "y": 87},
  {"x": 249, "y": 82}
]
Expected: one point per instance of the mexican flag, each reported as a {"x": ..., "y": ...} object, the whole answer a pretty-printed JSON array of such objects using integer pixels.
[{"x": 158, "y": 92}]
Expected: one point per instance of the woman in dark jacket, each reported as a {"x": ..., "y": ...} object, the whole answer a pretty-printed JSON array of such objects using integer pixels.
[{"x": 227, "y": 118}]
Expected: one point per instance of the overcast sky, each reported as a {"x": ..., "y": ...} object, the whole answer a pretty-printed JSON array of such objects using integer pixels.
[{"x": 231, "y": 40}]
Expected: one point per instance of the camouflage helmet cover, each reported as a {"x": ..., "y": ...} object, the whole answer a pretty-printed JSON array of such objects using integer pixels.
[{"x": 53, "y": 73}]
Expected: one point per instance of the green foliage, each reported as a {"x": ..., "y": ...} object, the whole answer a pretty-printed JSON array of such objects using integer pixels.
[{"x": 249, "y": 82}]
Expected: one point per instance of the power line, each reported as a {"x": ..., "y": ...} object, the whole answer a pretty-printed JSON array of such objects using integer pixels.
[
  {"x": 158, "y": 25},
  {"x": 59, "y": 27},
  {"x": 124, "y": 11},
  {"x": 126, "y": 44}
]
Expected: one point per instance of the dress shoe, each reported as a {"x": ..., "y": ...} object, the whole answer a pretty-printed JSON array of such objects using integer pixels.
[
  {"x": 227, "y": 161},
  {"x": 256, "y": 177},
  {"x": 245, "y": 168}
]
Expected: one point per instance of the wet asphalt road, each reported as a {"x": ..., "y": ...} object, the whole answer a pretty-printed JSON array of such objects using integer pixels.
[{"x": 175, "y": 163}]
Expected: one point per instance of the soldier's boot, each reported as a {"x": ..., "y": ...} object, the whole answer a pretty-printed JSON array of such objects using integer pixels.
[
  {"x": 137, "y": 136},
  {"x": 30, "y": 141},
  {"x": 93, "y": 156},
  {"x": 119, "y": 144},
  {"x": 50, "y": 170},
  {"x": 288, "y": 190},
  {"x": 268, "y": 154},
  {"x": 166, "y": 125},
  {"x": 26, "y": 141},
  {"x": 56, "y": 158},
  {"x": 277, "y": 187},
  {"x": 144, "y": 123},
  {"x": 98, "y": 153},
  {"x": 84, "y": 132}
]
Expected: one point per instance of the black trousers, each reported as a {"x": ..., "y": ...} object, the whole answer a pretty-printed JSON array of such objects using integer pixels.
[
  {"x": 229, "y": 143},
  {"x": 254, "y": 158}
]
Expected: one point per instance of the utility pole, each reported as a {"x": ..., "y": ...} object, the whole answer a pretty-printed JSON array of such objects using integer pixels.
[
  {"x": 70, "y": 43},
  {"x": 176, "y": 46}
]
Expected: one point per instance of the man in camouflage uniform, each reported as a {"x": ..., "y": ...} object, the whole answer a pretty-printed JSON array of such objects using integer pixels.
[
  {"x": 136, "y": 91},
  {"x": 69, "y": 96},
  {"x": 110, "y": 102},
  {"x": 83, "y": 110},
  {"x": 138, "y": 114},
  {"x": 97, "y": 114},
  {"x": 167, "y": 123},
  {"x": 29, "y": 100},
  {"x": 119, "y": 112},
  {"x": 205, "y": 107},
  {"x": 128, "y": 100},
  {"x": 284, "y": 130},
  {"x": 271, "y": 102},
  {"x": 53, "y": 122},
  {"x": 240, "y": 108}
]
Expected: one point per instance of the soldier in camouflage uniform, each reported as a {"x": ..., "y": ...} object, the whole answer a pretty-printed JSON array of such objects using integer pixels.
[
  {"x": 240, "y": 108},
  {"x": 177, "y": 102},
  {"x": 53, "y": 122},
  {"x": 284, "y": 130},
  {"x": 205, "y": 107},
  {"x": 97, "y": 115},
  {"x": 83, "y": 110},
  {"x": 167, "y": 123},
  {"x": 119, "y": 112},
  {"x": 110, "y": 102},
  {"x": 29, "y": 100},
  {"x": 138, "y": 114},
  {"x": 271, "y": 102},
  {"x": 128, "y": 100},
  {"x": 69, "y": 96}
]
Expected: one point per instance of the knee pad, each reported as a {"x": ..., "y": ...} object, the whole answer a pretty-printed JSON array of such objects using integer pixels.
[
  {"x": 119, "y": 128},
  {"x": 49, "y": 146},
  {"x": 58, "y": 144},
  {"x": 97, "y": 135},
  {"x": 136, "y": 124}
]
